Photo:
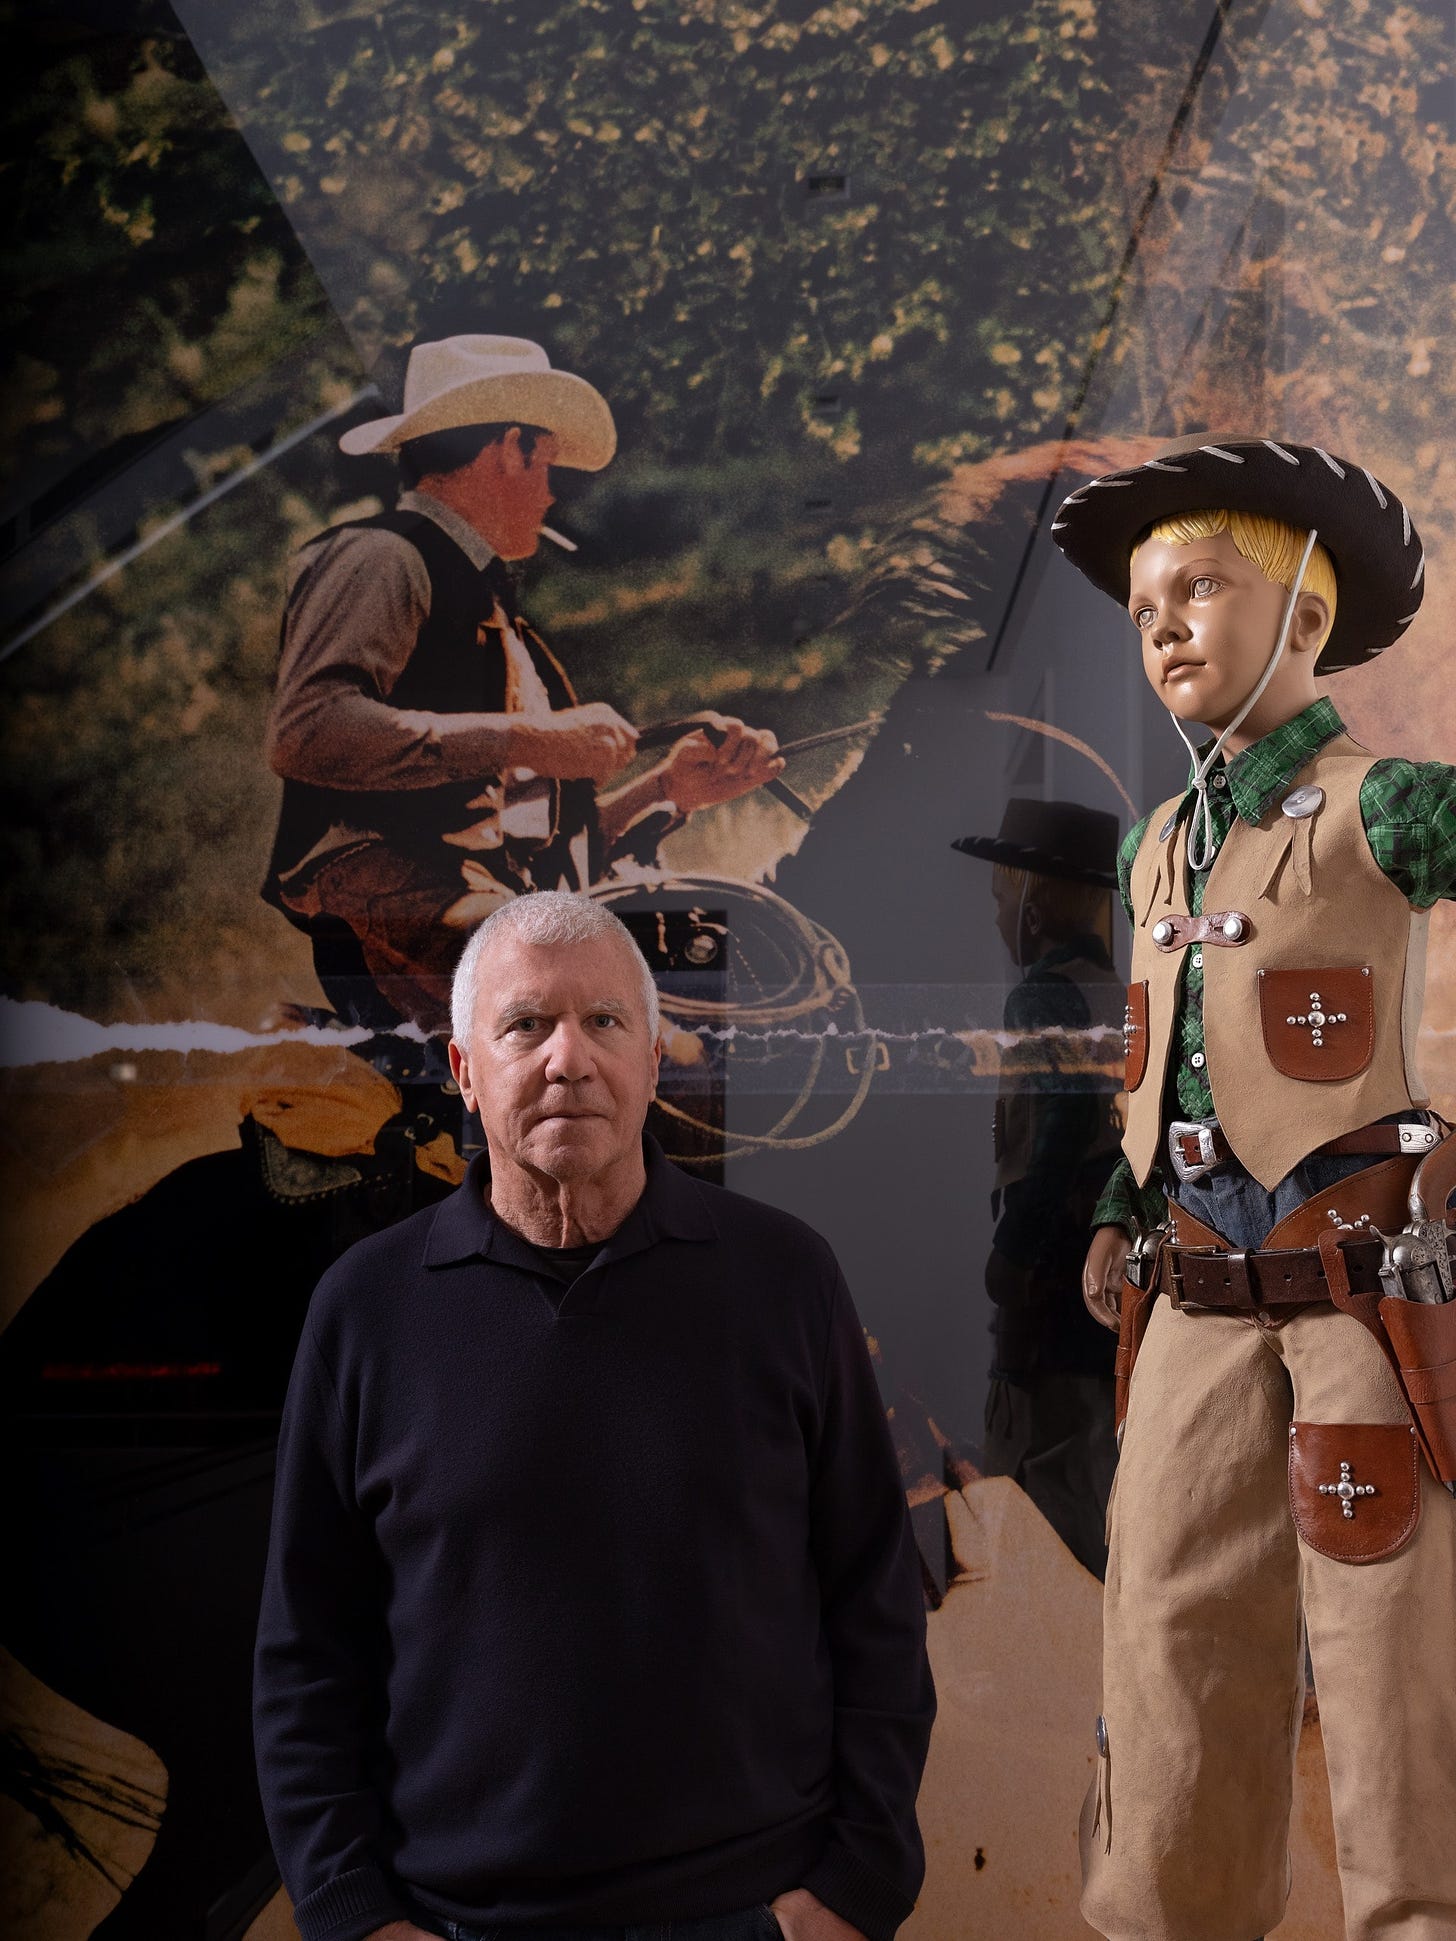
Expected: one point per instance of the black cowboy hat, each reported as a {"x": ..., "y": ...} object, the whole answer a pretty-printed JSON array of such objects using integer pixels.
[
  {"x": 1379, "y": 563},
  {"x": 1060, "y": 839}
]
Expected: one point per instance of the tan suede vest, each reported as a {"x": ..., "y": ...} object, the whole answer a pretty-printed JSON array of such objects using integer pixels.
[{"x": 1310, "y": 1015}]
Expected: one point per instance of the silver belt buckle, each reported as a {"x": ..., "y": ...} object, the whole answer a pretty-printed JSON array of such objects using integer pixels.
[{"x": 1187, "y": 1129}]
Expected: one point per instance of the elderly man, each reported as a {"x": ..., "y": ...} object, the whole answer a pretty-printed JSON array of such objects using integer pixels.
[
  {"x": 434, "y": 755},
  {"x": 591, "y": 1600}
]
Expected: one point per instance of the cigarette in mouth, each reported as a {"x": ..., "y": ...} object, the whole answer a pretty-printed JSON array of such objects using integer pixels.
[{"x": 559, "y": 539}]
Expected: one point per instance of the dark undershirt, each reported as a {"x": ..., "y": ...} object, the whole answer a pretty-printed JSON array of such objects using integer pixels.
[
  {"x": 560, "y": 1265},
  {"x": 564, "y": 1263}
]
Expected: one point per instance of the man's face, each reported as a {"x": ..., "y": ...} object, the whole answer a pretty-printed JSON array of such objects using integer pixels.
[
  {"x": 560, "y": 1063},
  {"x": 1208, "y": 620},
  {"x": 513, "y": 491}
]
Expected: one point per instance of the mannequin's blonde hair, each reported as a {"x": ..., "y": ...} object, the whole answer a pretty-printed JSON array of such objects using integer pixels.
[
  {"x": 1068, "y": 909},
  {"x": 1273, "y": 545}
]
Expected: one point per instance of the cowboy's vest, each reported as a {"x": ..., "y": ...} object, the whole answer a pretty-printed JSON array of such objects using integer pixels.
[
  {"x": 1313, "y": 967},
  {"x": 459, "y": 664},
  {"x": 1077, "y": 995}
]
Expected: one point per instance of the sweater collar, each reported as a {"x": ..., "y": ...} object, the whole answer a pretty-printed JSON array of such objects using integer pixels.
[{"x": 466, "y": 1226}]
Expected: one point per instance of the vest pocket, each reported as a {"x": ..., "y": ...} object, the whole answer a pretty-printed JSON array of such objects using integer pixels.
[
  {"x": 1318, "y": 1024},
  {"x": 1135, "y": 1036}
]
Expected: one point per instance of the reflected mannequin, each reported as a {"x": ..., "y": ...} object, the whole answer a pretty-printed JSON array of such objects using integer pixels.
[{"x": 1048, "y": 1415}]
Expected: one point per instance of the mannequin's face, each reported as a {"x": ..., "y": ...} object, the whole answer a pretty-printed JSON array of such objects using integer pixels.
[
  {"x": 1208, "y": 620},
  {"x": 1018, "y": 920}
]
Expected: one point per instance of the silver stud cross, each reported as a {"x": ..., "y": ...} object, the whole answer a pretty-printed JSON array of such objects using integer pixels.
[
  {"x": 1317, "y": 1019},
  {"x": 1347, "y": 1490}
]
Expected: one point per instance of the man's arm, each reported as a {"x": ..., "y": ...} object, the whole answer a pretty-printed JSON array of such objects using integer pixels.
[
  {"x": 874, "y": 1623},
  {"x": 355, "y": 611},
  {"x": 317, "y": 1685}
]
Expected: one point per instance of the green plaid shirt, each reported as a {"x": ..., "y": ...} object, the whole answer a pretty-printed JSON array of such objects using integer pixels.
[{"x": 1409, "y": 812}]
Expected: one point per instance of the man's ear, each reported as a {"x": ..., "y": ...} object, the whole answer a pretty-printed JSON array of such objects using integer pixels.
[
  {"x": 512, "y": 458},
  {"x": 460, "y": 1072},
  {"x": 1310, "y": 623}
]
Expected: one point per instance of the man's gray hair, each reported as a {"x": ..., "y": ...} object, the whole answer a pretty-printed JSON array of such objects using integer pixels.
[{"x": 542, "y": 917}]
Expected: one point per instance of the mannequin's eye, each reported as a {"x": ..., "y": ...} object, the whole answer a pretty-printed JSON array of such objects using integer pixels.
[
  {"x": 1142, "y": 616},
  {"x": 1204, "y": 586}
]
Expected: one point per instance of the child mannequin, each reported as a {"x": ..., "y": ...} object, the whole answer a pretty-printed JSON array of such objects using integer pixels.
[{"x": 1279, "y": 910}]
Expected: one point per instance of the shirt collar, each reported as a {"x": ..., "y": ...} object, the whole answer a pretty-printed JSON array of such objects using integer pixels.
[
  {"x": 475, "y": 549},
  {"x": 1258, "y": 773},
  {"x": 466, "y": 1226}
]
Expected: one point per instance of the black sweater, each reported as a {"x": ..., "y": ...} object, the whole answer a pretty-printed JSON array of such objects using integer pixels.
[{"x": 592, "y": 1603}]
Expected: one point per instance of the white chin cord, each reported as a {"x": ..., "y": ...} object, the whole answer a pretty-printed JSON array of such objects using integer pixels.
[{"x": 1200, "y": 829}]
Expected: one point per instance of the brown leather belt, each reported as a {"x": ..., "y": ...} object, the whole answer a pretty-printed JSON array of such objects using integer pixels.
[
  {"x": 1243, "y": 1283},
  {"x": 1208, "y": 1147}
]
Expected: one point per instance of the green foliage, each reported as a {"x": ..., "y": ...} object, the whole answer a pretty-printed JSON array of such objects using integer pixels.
[
  {"x": 630, "y": 181},
  {"x": 150, "y": 268}
]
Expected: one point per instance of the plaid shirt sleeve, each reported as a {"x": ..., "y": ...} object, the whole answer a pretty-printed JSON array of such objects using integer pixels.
[
  {"x": 1127, "y": 1205},
  {"x": 1409, "y": 812}
]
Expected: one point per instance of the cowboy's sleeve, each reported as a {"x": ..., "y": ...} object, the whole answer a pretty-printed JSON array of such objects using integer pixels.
[
  {"x": 355, "y": 609},
  {"x": 1409, "y": 813}
]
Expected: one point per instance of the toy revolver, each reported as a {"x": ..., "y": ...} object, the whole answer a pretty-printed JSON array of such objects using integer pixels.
[
  {"x": 1417, "y": 1261},
  {"x": 1417, "y": 1315}
]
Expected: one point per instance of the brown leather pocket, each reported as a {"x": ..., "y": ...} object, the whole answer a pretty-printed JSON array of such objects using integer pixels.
[
  {"x": 1423, "y": 1335},
  {"x": 1318, "y": 1024},
  {"x": 1135, "y": 1036},
  {"x": 1132, "y": 1324},
  {"x": 1354, "y": 1487}
]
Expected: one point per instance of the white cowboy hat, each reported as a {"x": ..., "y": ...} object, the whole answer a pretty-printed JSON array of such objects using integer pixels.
[{"x": 493, "y": 380}]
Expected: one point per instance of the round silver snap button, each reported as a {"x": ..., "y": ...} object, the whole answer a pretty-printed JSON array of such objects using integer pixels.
[{"x": 1303, "y": 802}]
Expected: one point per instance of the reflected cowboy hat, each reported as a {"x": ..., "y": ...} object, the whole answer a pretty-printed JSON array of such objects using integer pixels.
[
  {"x": 463, "y": 381},
  {"x": 1379, "y": 564},
  {"x": 1061, "y": 839}
]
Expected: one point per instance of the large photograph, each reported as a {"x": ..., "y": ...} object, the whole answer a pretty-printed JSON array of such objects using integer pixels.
[{"x": 610, "y": 446}]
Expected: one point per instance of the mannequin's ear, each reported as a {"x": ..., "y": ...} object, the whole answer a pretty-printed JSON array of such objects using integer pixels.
[{"x": 1310, "y": 623}]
